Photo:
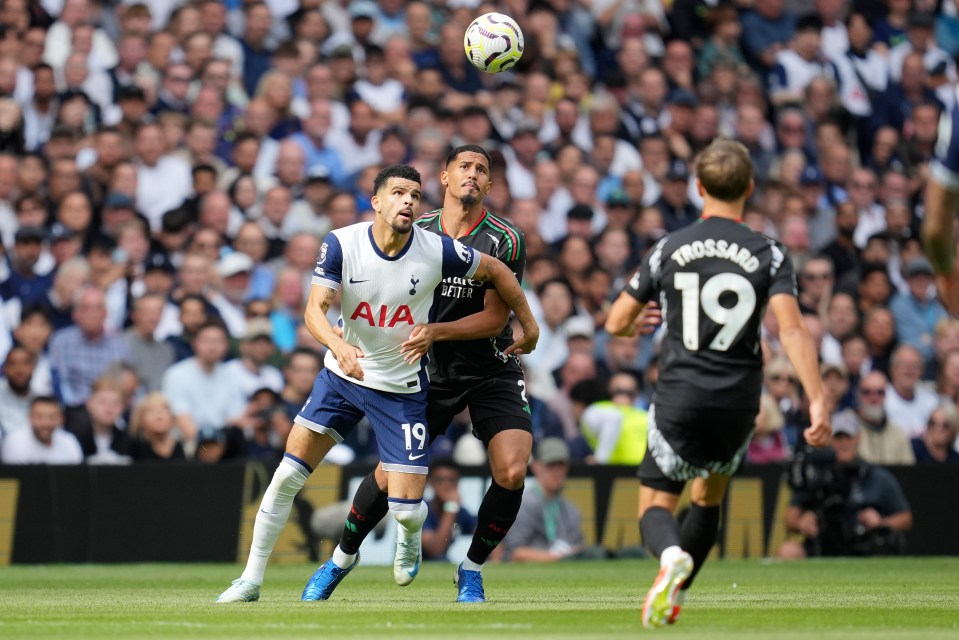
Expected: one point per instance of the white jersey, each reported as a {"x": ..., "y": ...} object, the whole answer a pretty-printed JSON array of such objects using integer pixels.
[{"x": 383, "y": 297}]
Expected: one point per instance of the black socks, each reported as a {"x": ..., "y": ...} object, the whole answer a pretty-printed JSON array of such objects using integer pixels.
[
  {"x": 659, "y": 530},
  {"x": 699, "y": 535},
  {"x": 369, "y": 507},
  {"x": 496, "y": 515}
]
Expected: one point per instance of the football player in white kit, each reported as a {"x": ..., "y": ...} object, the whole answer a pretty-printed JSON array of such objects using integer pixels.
[
  {"x": 386, "y": 272},
  {"x": 941, "y": 207}
]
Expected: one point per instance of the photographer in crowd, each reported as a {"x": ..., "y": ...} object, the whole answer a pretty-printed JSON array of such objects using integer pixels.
[{"x": 842, "y": 505}]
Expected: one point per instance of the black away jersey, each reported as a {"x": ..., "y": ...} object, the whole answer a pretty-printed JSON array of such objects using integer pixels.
[
  {"x": 456, "y": 298},
  {"x": 713, "y": 280}
]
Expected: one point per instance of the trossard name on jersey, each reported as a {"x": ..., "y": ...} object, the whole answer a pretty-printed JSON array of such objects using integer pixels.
[
  {"x": 712, "y": 248},
  {"x": 459, "y": 288}
]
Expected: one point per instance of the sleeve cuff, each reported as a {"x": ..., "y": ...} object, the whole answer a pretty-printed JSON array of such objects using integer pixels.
[{"x": 326, "y": 282}]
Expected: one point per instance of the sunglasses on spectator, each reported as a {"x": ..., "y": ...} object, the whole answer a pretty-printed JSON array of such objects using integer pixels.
[
  {"x": 622, "y": 392},
  {"x": 779, "y": 377},
  {"x": 816, "y": 276},
  {"x": 866, "y": 391}
]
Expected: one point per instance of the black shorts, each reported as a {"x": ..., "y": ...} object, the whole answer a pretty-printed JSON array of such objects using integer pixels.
[
  {"x": 496, "y": 404},
  {"x": 683, "y": 444}
]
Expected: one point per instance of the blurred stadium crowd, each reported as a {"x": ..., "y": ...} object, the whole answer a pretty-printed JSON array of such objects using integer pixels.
[{"x": 168, "y": 170}]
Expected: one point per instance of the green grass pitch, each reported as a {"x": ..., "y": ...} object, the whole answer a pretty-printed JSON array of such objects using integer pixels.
[{"x": 902, "y": 598}]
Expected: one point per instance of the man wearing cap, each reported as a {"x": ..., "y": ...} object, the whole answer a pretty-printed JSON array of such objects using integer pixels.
[
  {"x": 236, "y": 273},
  {"x": 250, "y": 372},
  {"x": 917, "y": 311},
  {"x": 869, "y": 509},
  {"x": 548, "y": 527},
  {"x": 117, "y": 209},
  {"x": 23, "y": 282},
  {"x": 674, "y": 203}
]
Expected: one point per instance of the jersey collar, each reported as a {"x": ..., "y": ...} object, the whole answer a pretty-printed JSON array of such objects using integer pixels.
[
  {"x": 409, "y": 243},
  {"x": 471, "y": 230},
  {"x": 705, "y": 216}
]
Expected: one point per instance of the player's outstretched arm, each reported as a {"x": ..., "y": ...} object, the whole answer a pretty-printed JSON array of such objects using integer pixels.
[
  {"x": 646, "y": 320},
  {"x": 487, "y": 323},
  {"x": 801, "y": 351},
  {"x": 347, "y": 356},
  {"x": 939, "y": 238},
  {"x": 493, "y": 270}
]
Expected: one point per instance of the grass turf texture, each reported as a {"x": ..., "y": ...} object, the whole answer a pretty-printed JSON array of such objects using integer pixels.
[{"x": 904, "y": 598}]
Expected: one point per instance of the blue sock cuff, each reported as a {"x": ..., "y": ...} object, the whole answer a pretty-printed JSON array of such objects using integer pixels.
[{"x": 300, "y": 465}]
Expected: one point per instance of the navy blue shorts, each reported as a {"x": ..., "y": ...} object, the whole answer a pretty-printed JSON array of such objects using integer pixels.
[{"x": 398, "y": 419}]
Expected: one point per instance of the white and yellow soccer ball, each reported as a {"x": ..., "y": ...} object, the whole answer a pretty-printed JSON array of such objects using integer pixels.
[{"x": 493, "y": 42}]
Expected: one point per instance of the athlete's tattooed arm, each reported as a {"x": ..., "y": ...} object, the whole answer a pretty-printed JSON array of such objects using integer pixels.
[
  {"x": 347, "y": 356},
  {"x": 487, "y": 323},
  {"x": 491, "y": 269}
]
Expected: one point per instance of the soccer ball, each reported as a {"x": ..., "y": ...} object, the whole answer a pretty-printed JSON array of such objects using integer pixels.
[{"x": 493, "y": 42}]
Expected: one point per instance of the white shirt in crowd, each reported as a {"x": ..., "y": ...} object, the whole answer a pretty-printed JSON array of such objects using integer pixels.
[
  {"x": 22, "y": 447},
  {"x": 162, "y": 187},
  {"x": 910, "y": 415}
]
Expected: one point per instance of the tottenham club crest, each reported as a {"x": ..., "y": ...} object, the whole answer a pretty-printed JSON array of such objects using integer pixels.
[{"x": 414, "y": 282}]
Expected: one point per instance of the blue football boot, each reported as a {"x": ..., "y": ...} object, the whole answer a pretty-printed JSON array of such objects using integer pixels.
[
  {"x": 470, "y": 585},
  {"x": 324, "y": 580}
]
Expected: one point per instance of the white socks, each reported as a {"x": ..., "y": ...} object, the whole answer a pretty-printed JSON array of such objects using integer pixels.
[
  {"x": 669, "y": 554},
  {"x": 409, "y": 515},
  {"x": 343, "y": 559},
  {"x": 274, "y": 511},
  {"x": 469, "y": 565}
]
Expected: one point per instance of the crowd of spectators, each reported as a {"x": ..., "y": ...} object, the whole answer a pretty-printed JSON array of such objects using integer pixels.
[{"x": 168, "y": 170}]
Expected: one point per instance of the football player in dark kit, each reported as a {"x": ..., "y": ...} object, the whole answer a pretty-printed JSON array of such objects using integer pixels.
[
  {"x": 470, "y": 371},
  {"x": 713, "y": 281}
]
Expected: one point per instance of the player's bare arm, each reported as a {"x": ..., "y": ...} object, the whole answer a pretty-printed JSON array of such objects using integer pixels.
[
  {"x": 623, "y": 313},
  {"x": 801, "y": 351},
  {"x": 627, "y": 316},
  {"x": 939, "y": 238},
  {"x": 493, "y": 270},
  {"x": 487, "y": 323},
  {"x": 347, "y": 355}
]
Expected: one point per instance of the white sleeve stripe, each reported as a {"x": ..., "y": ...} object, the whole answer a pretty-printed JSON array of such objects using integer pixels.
[
  {"x": 945, "y": 177},
  {"x": 473, "y": 267},
  {"x": 326, "y": 282},
  {"x": 405, "y": 468}
]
